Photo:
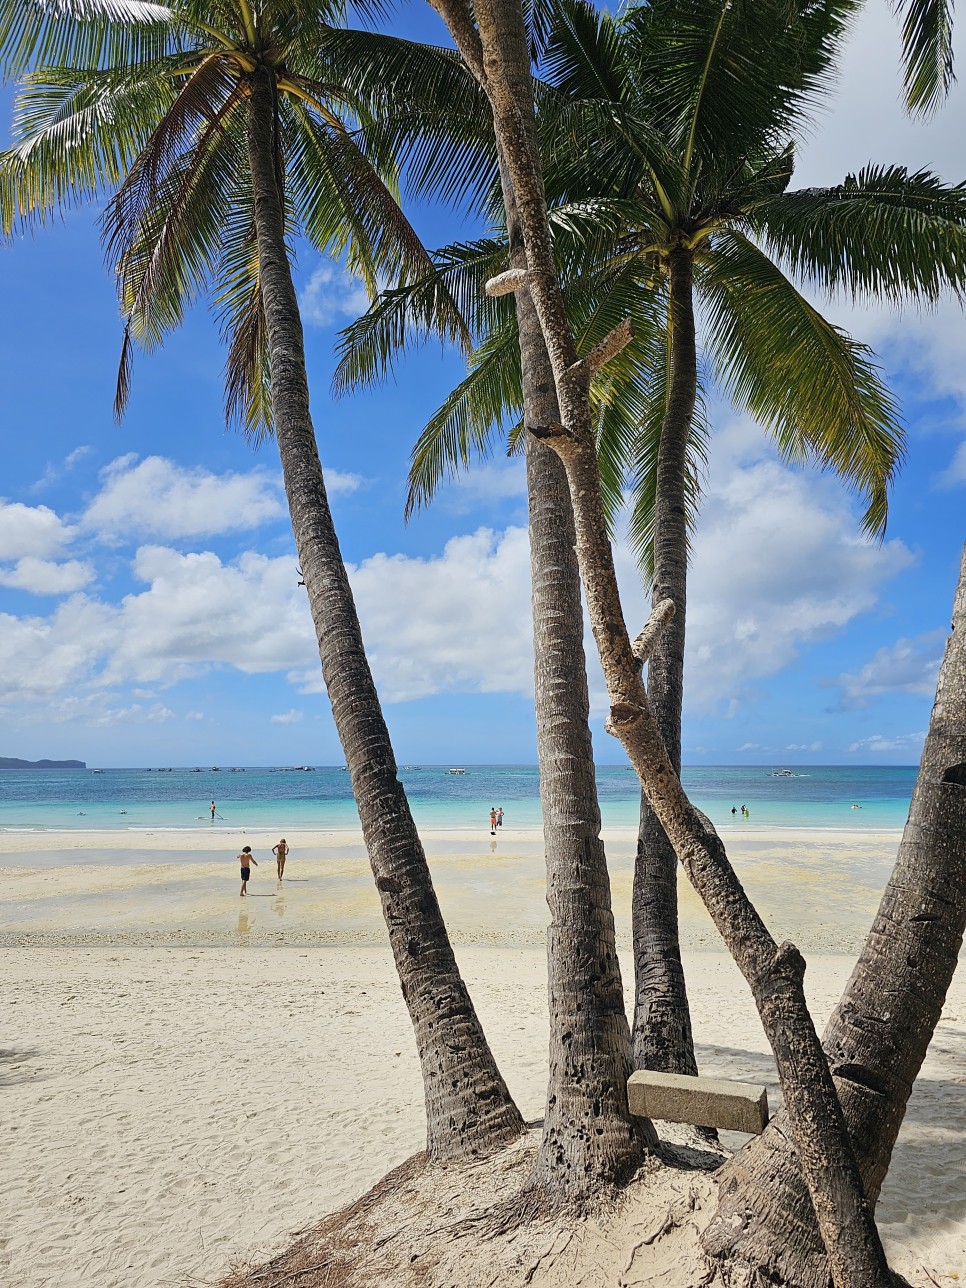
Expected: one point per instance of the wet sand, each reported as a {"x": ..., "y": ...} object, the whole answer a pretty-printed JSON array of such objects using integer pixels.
[{"x": 189, "y": 1077}]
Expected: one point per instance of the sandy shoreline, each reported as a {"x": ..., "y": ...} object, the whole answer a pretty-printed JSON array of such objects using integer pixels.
[
  {"x": 188, "y": 1078},
  {"x": 818, "y": 888}
]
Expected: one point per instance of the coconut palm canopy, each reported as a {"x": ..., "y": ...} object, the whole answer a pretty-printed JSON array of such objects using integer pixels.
[
  {"x": 673, "y": 127},
  {"x": 147, "y": 104}
]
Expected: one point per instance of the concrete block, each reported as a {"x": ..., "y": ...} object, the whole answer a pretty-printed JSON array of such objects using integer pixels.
[{"x": 704, "y": 1102}]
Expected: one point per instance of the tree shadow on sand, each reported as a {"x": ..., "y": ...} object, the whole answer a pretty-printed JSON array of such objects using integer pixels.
[{"x": 13, "y": 1065}]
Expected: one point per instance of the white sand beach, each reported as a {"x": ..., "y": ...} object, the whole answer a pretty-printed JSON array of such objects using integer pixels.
[{"x": 188, "y": 1078}]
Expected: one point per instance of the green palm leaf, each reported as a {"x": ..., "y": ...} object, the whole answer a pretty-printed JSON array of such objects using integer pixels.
[
  {"x": 884, "y": 232},
  {"x": 927, "y": 48},
  {"x": 806, "y": 381}
]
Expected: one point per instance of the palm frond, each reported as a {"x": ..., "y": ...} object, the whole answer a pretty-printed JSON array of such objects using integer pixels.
[
  {"x": 884, "y": 232},
  {"x": 345, "y": 206},
  {"x": 927, "y": 50},
  {"x": 84, "y": 34},
  {"x": 465, "y": 425},
  {"x": 813, "y": 387},
  {"x": 448, "y": 303},
  {"x": 77, "y": 134},
  {"x": 198, "y": 112}
]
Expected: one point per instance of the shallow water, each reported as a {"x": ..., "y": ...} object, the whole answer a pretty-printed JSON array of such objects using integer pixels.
[{"x": 136, "y": 799}]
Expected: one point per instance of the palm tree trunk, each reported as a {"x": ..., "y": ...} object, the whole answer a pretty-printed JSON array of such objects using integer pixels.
[
  {"x": 774, "y": 973},
  {"x": 468, "y": 1107},
  {"x": 662, "y": 1019},
  {"x": 589, "y": 1137},
  {"x": 878, "y": 1036}
]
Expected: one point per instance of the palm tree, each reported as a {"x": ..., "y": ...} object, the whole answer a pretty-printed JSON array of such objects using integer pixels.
[
  {"x": 669, "y": 154},
  {"x": 589, "y": 1138},
  {"x": 764, "y": 1218},
  {"x": 222, "y": 127}
]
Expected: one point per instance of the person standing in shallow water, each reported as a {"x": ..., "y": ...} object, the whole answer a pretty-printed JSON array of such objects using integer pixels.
[
  {"x": 281, "y": 854},
  {"x": 246, "y": 861},
  {"x": 493, "y": 822},
  {"x": 499, "y": 817},
  {"x": 212, "y": 811}
]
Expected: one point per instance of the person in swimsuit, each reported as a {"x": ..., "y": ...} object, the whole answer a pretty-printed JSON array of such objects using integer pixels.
[
  {"x": 246, "y": 860},
  {"x": 212, "y": 811},
  {"x": 492, "y": 822},
  {"x": 281, "y": 854}
]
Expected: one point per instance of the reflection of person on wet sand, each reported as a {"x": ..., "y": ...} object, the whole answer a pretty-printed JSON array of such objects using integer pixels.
[
  {"x": 246, "y": 860},
  {"x": 281, "y": 854}
]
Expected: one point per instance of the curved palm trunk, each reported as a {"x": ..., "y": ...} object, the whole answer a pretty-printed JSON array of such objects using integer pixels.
[
  {"x": 662, "y": 1019},
  {"x": 468, "y": 1107},
  {"x": 878, "y": 1036},
  {"x": 589, "y": 1137},
  {"x": 774, "y": 973}
]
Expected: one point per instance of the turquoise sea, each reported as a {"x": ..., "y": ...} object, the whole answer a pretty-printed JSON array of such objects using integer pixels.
[{"x": 814, "y": 796}]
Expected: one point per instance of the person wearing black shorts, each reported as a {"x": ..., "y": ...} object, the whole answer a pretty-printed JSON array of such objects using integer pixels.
[{"x": 246, "y": 860}]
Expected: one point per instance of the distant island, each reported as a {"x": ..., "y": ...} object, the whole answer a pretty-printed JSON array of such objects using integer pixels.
[{"x": 11, "y": 762}]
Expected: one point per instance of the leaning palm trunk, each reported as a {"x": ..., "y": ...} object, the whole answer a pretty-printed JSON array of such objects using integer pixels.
[
  {"x": 662, "y": 1019},
  {"x": 877, "y": 1038},
  {"x": 589, "y": 1137},
  {"x": 774, "y": 974},
  {"x": 468, "y": 1107}
]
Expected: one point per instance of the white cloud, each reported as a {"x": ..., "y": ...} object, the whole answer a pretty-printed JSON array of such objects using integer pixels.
[
  {"x": 911, "y": 742},
  {"x": 459, "y": 621},
  {"x": 804, "y": 746},
  {"x": 777, "y": 564},
  {"x": 751, "y": 746},
  {"x": 194, "y": 715},
  {"x": 956, "y": 473},
  {"x": 331, "y": 295},
  {"x": 341, "y": 482},
  {"x": 31, "y": 531},
  {"x": 156, "y": 497},
  {"x": 909, "y": 666},
  {"x": 43, "y": 577},
  {"x": 287, "y": 717},
  {"x": 53, "y": 472}
]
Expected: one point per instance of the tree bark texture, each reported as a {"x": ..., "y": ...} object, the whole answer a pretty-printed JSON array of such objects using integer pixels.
[
  {"x": 468, "y": 1107},
  {"x": 589, "y": 1137},
  {"x": 662, "y": 1018},
  {"x": 878, "y": 1036},
  {"x": 775, "y": 974}
]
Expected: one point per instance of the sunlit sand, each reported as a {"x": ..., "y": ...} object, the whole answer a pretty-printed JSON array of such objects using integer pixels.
[{"x": 189, "y": 1077}]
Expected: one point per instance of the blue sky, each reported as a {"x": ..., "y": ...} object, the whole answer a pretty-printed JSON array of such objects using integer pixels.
[{"x": 149, "y": 606}]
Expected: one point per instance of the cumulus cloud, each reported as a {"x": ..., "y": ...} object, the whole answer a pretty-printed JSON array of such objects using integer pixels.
[
  {"x": 31, "y": 531},
  {"x": 156, "y": 497},
  {"x": 331, "y": 295},
  {"x": 458, "y": 621},
  {"x": 804, "y": 746},
  {"x": 777, "y": 564},
  {"x": 44, "y": 577},
  {"x": 909, "y": 666},
  {"x": 911, "y": 742},
  {"x": 287, "y": 717}
]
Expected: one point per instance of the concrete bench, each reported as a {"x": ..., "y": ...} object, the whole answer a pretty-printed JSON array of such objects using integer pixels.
[{"x": 703, "y": 1102}]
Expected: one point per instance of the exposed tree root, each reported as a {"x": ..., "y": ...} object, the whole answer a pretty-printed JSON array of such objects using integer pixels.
[{"x": 471, "y": 1225}]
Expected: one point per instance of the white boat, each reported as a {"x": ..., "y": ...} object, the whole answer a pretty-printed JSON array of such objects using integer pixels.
[{"x": 456, "y": 771}]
